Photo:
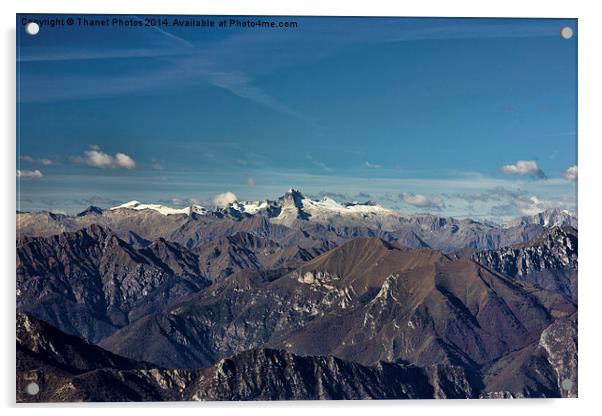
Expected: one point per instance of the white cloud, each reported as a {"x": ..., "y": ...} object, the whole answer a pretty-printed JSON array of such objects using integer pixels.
[
  {"x": 250, "y": 181},
  {"x": 422, "y": 201},
  {"x": 571, "y": 173},
  {"x": 29, "y": 174},
  {"x": 42, "y": 161},
  {"x": 524, "y": 168},
  {"x": 95, "y": 157},
  {"x": 222, "y": 200},
  {"x": 124, "y": 161}
]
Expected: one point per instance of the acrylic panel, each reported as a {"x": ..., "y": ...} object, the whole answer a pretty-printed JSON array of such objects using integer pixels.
[{"x": 227, "y": 208}]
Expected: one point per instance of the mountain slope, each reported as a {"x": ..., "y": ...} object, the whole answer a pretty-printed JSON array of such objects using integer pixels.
[
  {"x": 90, "y": 282},
  {"x": 540, "y": 369},
  {"x": 365, "y": 301},
  {"x": 69, "y": 369}
]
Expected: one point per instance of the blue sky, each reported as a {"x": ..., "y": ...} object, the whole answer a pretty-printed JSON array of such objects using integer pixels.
[{"x": 463, "y": 117}]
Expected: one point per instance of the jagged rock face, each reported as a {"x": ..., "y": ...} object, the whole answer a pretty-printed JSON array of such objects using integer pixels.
[
  {"x": 549, "y": 261},
  {"x": 559, "y": 341},
  {"x": 43, "y": 353},
  {"x": 285, "y": 376},
  {"x": 69, "y": 369}
]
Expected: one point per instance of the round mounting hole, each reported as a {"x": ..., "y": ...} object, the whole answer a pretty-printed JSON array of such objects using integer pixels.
[
  {"x": 566, "y": 32},
  {"x": 32, "y": 389},
  {"x": 32, "y": 28},
  {"x": 566, "y": 384}
]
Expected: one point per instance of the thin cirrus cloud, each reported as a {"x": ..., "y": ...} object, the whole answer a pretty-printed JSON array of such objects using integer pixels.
[
  {"x": 524, "y": 168},
  {"x": 37, "y": 161},
  {"x": 29, "y": 173},
  {"x": 422, "y": 201},
  {"x": 95, "y": 157},
  {"x": 571, "y": 173},
  {"x": 317, "y": 163}
]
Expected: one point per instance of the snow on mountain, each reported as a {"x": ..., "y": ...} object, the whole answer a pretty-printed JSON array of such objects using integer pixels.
[
  {"x": 327, "y": 206},
  {"x": 138, "y": 206},
  {"x": 285, "y": 210},
  {"x": 549, "y": 218},
  {"x": 294, "y": 206},
  {"x": 250, "y": 207}
]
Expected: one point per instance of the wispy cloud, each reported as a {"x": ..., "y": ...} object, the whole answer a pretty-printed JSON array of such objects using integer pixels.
[
  {"x": 178, "y": 61},
  {"x": 29, "y": 173},
  {"x": 242, "y": 85},
  {"x": 524, "y": 168},
  {"x": 95, "y": 157},
  {"x": 37, "y": 161},
  {"x": 498, "y": 193},
  {"x": 317, "y": 163},
  {"x": 504, "y": 202}
]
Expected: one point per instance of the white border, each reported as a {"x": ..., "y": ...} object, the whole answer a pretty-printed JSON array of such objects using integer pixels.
[{"x": 590, "y": 114}]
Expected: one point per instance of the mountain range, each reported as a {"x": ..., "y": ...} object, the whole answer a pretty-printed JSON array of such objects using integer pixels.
[
  {"x": 293, "y": 219},
  {"x": 348, "y": 301}
]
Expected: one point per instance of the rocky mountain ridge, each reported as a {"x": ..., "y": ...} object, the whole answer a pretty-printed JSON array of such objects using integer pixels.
[
  {"x": 292, "y": 218},
  {"x": 225, "y": 305},
  {"x": 549, "y": 261},
  {"x": 254, "y": 375}
]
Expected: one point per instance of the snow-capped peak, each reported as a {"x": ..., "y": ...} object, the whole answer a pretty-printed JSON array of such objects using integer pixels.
[
  {"x": 329, "y": 205},
  {"x": 294, "y": 205},
  {"x": 138, "y": 206}
]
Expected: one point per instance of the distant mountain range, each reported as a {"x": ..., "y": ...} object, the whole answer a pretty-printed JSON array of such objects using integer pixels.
[
  {"x": 348, "y": 300},
  {"x": 293, "y": 218}
]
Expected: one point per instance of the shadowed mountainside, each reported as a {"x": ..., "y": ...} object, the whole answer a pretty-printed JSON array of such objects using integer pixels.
[{"x": 254, "y": 375}]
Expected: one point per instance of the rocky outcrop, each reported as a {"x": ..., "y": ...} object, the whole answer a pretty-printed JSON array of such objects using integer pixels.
[{"x": 549, "y": 261}]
